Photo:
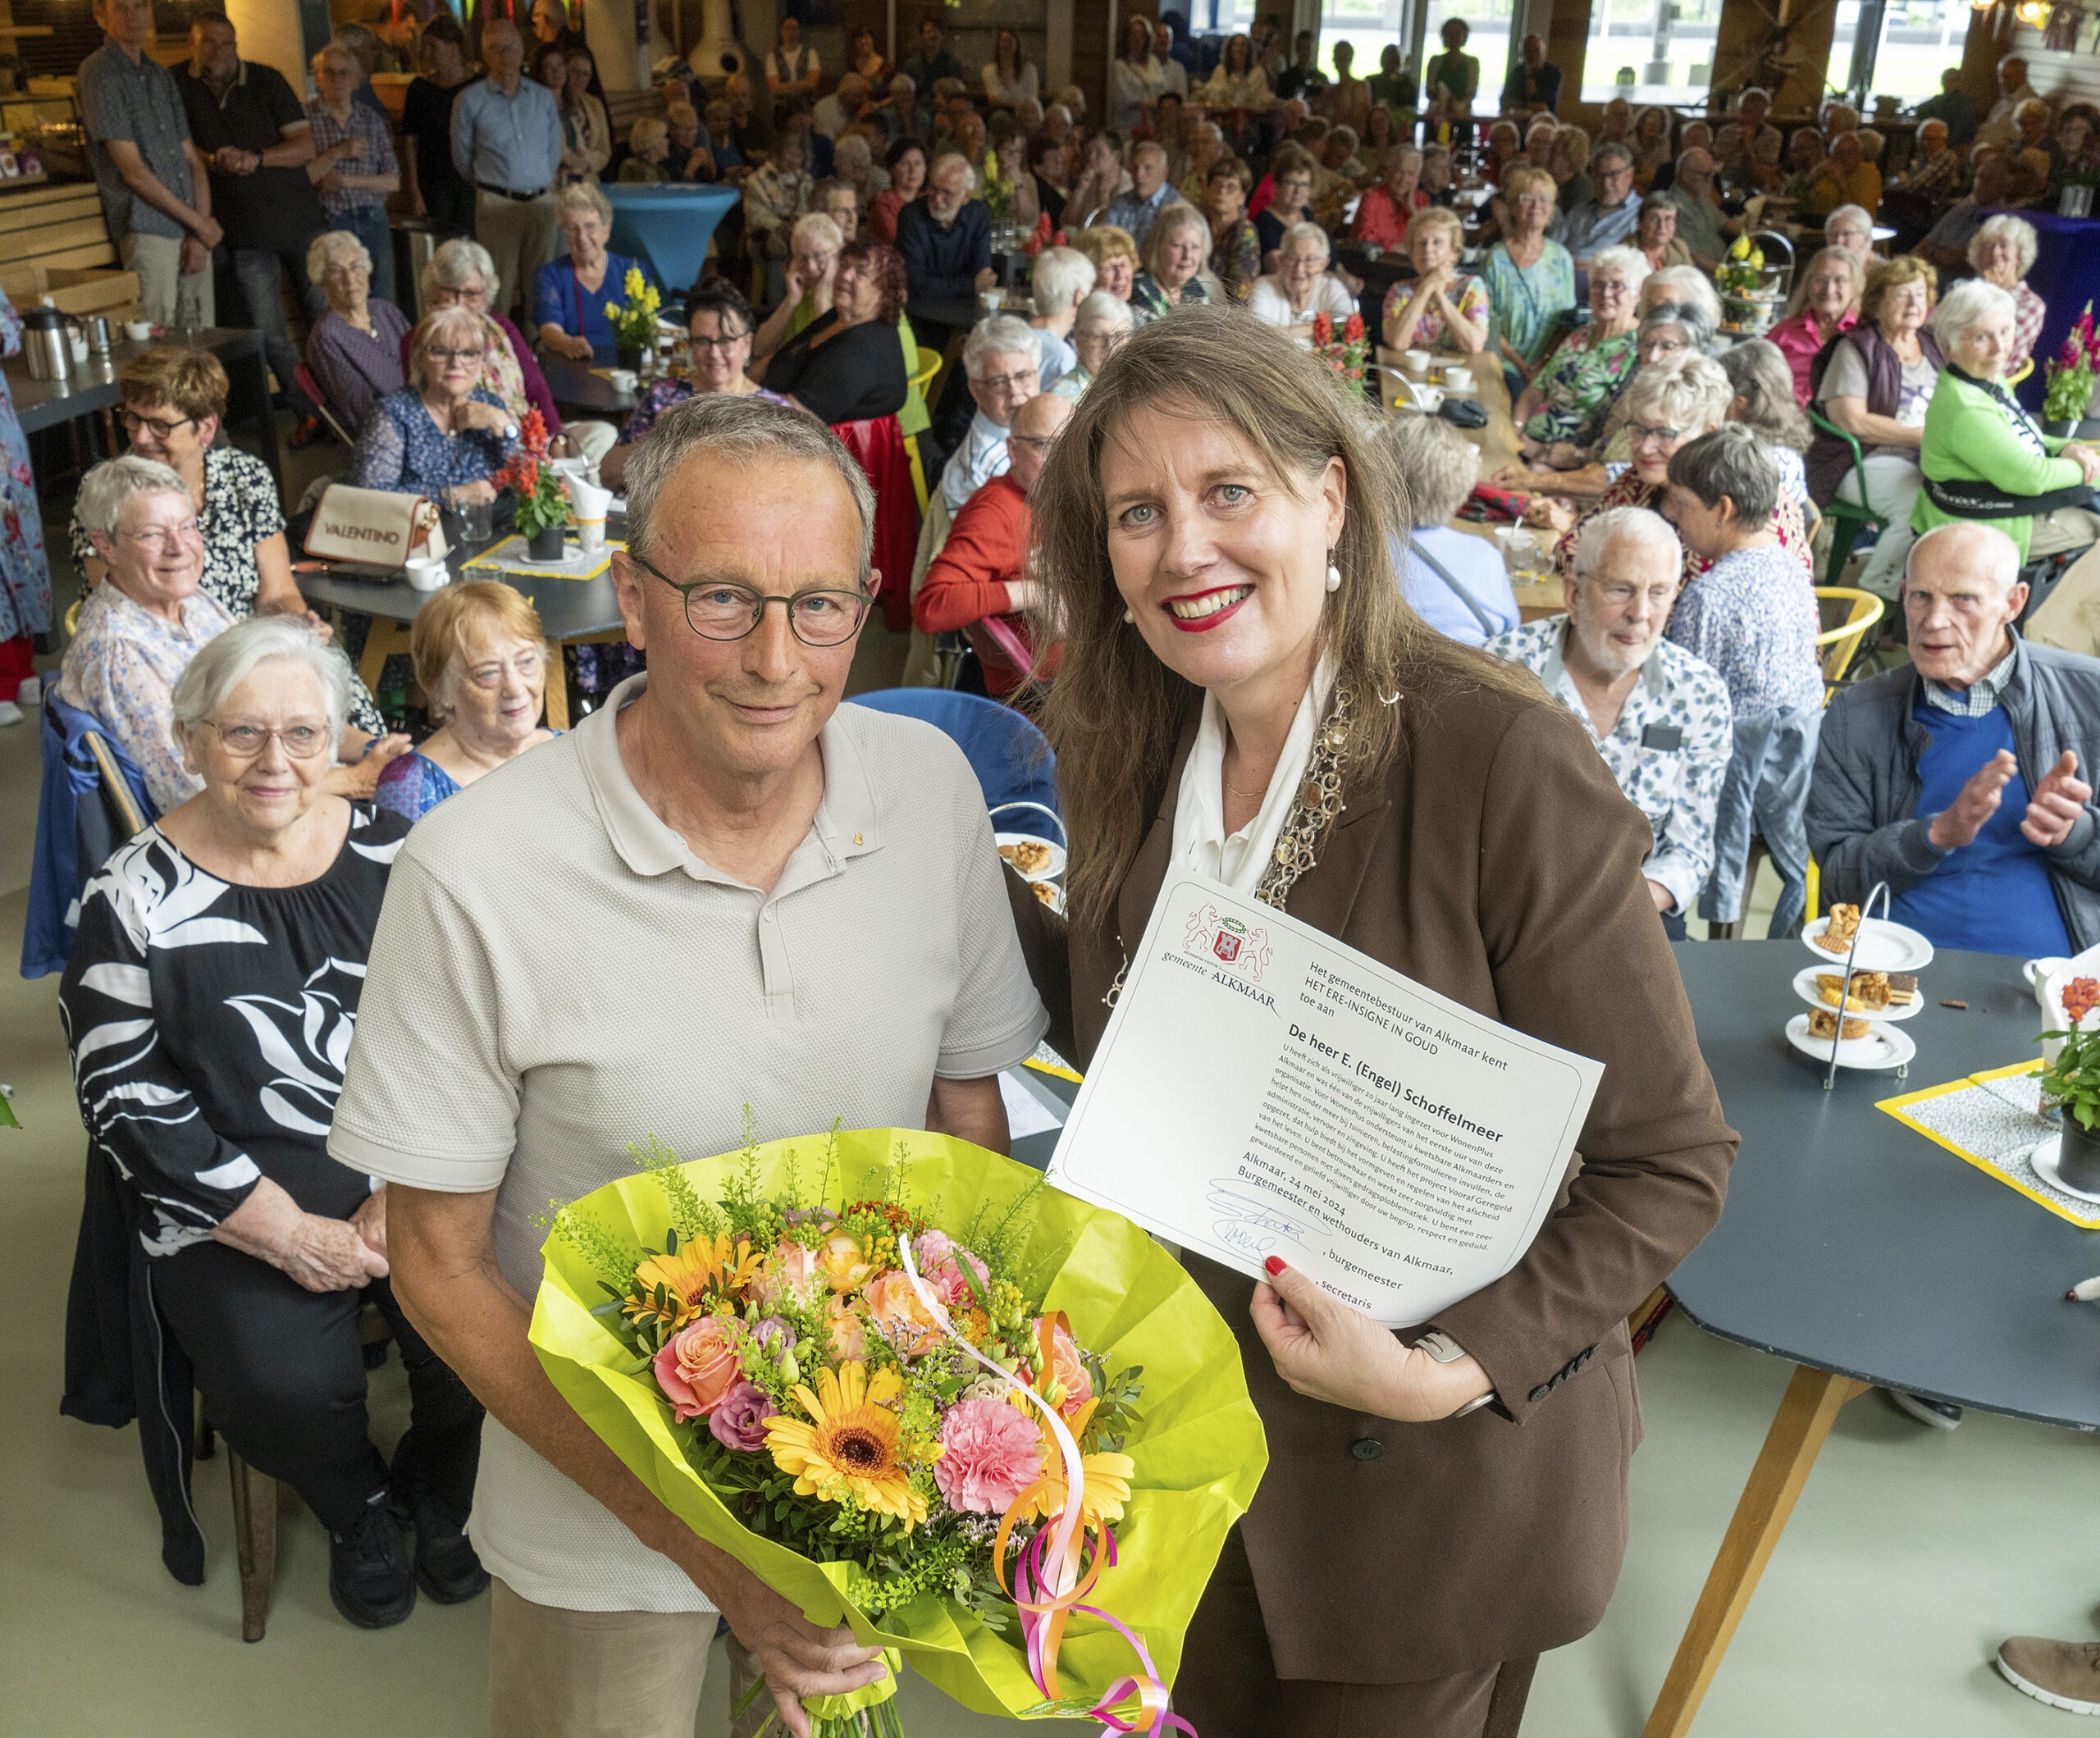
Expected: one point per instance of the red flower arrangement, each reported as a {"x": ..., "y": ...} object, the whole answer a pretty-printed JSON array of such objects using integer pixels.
[
  {"x": 2071, "y": 375},
  {"x": 542, "y": 502},
  {"x": 1042, "y": 237},
  {"x": 1347, "y": 355}
]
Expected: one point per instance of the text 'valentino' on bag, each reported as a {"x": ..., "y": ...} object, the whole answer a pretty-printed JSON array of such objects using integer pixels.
[{"x": 378, "y": 526}]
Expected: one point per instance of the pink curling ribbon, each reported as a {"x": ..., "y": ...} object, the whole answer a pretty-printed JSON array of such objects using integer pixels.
[{"x": 1048, "y": 1583}]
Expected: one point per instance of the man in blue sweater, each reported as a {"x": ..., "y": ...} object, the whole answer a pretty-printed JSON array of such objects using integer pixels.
[{"x": 1958, "y": 781}]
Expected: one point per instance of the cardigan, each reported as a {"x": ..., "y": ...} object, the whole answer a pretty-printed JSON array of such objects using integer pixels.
[
  {"x": 1830, "y": 458},
  {"x": 1495, "y": 861}
]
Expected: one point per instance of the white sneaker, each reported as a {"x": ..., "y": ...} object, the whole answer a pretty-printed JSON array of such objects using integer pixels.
[
  {"x": 9, "y": 714},
  {"x": 31, "y": 694}
]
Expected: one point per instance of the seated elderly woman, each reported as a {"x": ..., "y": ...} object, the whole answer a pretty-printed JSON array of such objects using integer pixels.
[
  {"x": 846, "y": 367},
  {"x": 569, "y": 298},
  {"x": 1301, "y": 286},
  {"x": 1453, "y": 579},
  {"x": 1685, "y": 285},
  {"x": 1876, "y": 384},
  {"x": 1763, "y": 404},
  {"x": 1440, "y": 308},
  {"x": 354, "y": 350},
  {"x": 811, "y": 283},
  {"x": 1654, "y": 233},
  {"x": 445, "y": 431},
  {"x": 1593, "y": 361},
  {"x": 1825, "y": 302},
  {"x": 649, "y": 151},
  {"x": 1062, "y": 278},
  {"x": 261, "y": 1249},
  {"x": 1098, "y": 329},
  {"x": 1177, "y": 261},
  {"x": 481, "y": 658},
  {"x": 719, "y": 337},
  {"x": 1384, "y": 211},
  {"x": 1983, "y": 456},
  {"x": 2002, "y": 250},
  {"x": 1115, "y": 257}
]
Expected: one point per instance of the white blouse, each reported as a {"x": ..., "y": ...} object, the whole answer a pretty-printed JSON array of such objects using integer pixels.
[{"x": 1200, "y": 842}]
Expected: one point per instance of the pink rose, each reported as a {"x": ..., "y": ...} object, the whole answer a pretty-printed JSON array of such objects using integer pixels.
[
  {"x": 990, "y": 1455},
  {"x": 698, "y": 1365},
  {"x": 896, "y": 1313},
  {"x": 790, "y": 1276},
  {"x": 739, "y": 1422},
  {"x": 1067, "y": 1373},
  {"x": 940, "y": 1265}
]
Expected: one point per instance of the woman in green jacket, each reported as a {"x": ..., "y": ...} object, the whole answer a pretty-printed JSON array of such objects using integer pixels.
[{"x": 1984, "y": 456}]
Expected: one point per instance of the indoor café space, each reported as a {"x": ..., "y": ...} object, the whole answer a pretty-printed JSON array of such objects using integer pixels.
[{"x": 883, "y": 865}]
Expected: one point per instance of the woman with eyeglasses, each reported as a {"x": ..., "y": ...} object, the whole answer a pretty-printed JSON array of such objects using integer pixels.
[
  {"x": 480, "y": 658},
  {"x": 847, "y": 367},
  {"x": 1529, "y": 277},
  {"x": 718, "y": 328},
  {"x": 445, "y": 434},
  {"x": 173, "y": 400},
  {"x": 217, "y": 977},
  {"x": 1594, "y": 361}
]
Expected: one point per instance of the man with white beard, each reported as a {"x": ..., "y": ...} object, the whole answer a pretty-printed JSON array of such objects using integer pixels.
[{"x": 1658, "y": 715}]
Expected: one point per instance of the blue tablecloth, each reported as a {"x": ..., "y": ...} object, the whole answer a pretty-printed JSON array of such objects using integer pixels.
[
  {"x": 668, "y": 226},
  {"x": 2067, "y": 275}
]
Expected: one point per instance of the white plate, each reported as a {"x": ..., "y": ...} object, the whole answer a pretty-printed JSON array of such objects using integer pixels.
[
  {"x": 1050, "y": 870},
  {"x": 1883, "y": 946},
  {"x": 1056, "y": 901},
  {"x": 2044, "y": 1158},
  {"x": 1884, "y": 1046},
  {"x": 1805, "y": 987}
]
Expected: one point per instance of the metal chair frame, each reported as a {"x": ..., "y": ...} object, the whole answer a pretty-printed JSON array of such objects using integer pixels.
[{"x": 1841, "y": 513}]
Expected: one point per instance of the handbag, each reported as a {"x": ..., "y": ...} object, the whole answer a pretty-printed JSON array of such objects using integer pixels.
[{"x": 378, "y": 528}]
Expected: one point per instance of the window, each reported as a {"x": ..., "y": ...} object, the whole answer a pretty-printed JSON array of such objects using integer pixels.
[
  {"x": 1651, "y": 51},
  {"x": 1920, "y": 40}
]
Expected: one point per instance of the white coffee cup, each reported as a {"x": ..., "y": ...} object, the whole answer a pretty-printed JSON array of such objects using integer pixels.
[
  {"x": 138, "y": 330},
  {"x": 992, "y": 301},
  {"x": 1417, "y": 361},
  {"x": 622, "y": 380},
  {"x": 1428, "y": 399},
  {"x": 428, "y": 573},
  {"x": 1459, "y": 380}
]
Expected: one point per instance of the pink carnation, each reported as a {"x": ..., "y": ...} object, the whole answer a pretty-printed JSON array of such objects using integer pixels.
[
  {"x": 739, "y": 1422},
  {"x": 940, "y": 1261},
  {"x": 992, "y": 1455}
]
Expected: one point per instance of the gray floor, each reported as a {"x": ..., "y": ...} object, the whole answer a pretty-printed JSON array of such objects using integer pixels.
[{"x": 1910, "y": 1556}]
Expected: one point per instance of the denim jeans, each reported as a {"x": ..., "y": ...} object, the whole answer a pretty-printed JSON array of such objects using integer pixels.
[
  {"x": 258, "y": 275},
  {"x": 1764, "y": 792}
]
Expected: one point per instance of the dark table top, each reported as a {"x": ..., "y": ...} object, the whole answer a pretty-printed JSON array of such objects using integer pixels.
[
  {"x": 1850, "y": 1241},
  {"x": 568, "y": 608},
  {"x": 93, "y": 387},
  {"x": 959, "y": 313},
  {"x": 576, "y": 388}
]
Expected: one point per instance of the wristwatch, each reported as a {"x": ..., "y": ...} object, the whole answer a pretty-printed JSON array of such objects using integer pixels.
[
  {"x": 1443, "y": 1349},
  {"x": 510, "y": 431}
]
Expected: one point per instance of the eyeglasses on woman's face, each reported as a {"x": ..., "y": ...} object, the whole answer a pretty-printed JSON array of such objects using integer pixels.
[
  {"x": 157, "y": 539},
  {"x": 719, "y": 609},
  {"x": 158, "y": 427},
  {"x": 472, "y": 295},
  {"x": 702, "y": 344},
  {"x": 1648, "y": 434},
  {"x": 302, "y": 739}
]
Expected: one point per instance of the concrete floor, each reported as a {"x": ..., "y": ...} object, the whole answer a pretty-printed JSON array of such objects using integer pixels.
[{"x": 1910, "y": 1556}]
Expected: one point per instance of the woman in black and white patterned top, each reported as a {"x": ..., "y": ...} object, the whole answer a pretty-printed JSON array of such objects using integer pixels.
[{"x": 209, "y": 1003}]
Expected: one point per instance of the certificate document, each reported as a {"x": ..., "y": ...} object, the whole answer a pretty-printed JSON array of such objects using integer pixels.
[{"x": 1263, "y": 1089}]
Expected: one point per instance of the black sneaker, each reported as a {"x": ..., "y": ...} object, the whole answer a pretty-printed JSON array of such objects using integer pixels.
[
  {"x": 446, "y": 1567},
  {"x": 368, "y": 1574}
]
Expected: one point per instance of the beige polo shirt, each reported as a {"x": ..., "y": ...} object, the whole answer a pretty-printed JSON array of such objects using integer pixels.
[{"x": 556, "y": 974}]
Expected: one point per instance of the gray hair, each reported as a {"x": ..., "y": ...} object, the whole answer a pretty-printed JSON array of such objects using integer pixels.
[
  {"x": 330, "y": 245},
  {"x": 223, "y": 664},
  {"x": 1100, "y": 306},
  {"x": 1440, "y": 465},
  {"x": 1999, "y": 553},
  {"x": 1611, "y": 151},
  {"x": 1630, "y": 263},
  {"x": 2006, "y": 227},
  {"x": 817, "y": 226},
  {"x": 743, "y": 431},
  {"x": 1857, "y": 214},
  {"x": 1763, "y": 381},
  {"x": 1307, "y": 232},
  {"x": 459, "y": 259},
  {"x": 1635, "y": 525},
  {"x": 105, "y": 490},
  {"x": 1691, "y": 391},
  {"x": 1698, "y": 330},
  {"x": 584, "y": 196},
  {"x": 1729, "y": 460},
  {"x": 998, "y": 336},
  {"x": 1970, "y": 300},
  {"x": 1688, "y": 284},
  {"x": 1063, "y": 277}
]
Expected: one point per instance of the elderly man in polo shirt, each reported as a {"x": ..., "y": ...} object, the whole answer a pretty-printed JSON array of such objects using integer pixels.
[
  {"x": 506, "y": 143},
  {"x": 156, "y": 197},
  {"x": 1609, "y": 216},
  {"x": 742, "y": 846},
  {"x": 1659, "y": 715}
]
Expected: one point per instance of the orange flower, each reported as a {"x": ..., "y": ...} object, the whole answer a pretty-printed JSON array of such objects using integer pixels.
[
  {"x": 842, "y": 1261},
  {"x": 898, "y": 1315}
]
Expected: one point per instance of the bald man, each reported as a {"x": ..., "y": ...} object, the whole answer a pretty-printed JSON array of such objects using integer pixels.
[{"x": 1962, "y": 779}]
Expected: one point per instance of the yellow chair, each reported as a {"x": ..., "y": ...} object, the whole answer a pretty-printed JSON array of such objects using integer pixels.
[
  {"x": 921, "y": 379},
  {"x": 73, "y": 624},
  {"x": 2020, "y": 373},
  {"x": 1814, "y": 909},
  {"x": 1840, "y": 645}
]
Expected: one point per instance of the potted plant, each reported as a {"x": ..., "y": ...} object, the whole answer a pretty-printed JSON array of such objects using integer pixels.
[
  {"x": 634, "y": 322},
  {"x": 2068, "y": 406},
  {"x": 1347, "y": 354},
  {"x": 542, "y": 504},
  {"x": 2073, "y": 1081}
]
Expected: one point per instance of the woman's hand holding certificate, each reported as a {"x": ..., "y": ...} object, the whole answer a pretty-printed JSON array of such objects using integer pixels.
[{"x": 1326, "y": 1351}]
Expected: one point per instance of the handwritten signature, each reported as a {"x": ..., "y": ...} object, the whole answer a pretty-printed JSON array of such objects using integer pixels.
[{"x": 1250, "y": 1225}]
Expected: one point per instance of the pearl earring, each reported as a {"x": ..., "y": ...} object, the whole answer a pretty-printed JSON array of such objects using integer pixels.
[
  {"x": 1334, "y": 577},
  {"x": 1129, "y": 616}
]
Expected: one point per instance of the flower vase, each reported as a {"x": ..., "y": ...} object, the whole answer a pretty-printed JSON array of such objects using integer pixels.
[
  {"x": 628, "y": 356},
  {"x": 546, "y": 544},
  {"x": 2077, "y": 1161}
]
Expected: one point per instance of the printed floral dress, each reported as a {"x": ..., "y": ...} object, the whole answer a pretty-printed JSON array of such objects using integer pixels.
[
  {"x": 1583, "y": 376},
  {"x": 25, "y": 573}
]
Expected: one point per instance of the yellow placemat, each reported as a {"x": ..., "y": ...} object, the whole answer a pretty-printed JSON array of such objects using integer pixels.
[
  {"x": 509, "y": 557},
  {"x": 1993, "y": 1120}
]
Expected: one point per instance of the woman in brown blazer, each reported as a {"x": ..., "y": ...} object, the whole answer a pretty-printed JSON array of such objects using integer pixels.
[{"x": 1244, "y": 691}]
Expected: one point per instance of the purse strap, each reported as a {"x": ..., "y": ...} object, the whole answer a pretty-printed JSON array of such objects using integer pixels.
[{"x": 1480, "y": 615}]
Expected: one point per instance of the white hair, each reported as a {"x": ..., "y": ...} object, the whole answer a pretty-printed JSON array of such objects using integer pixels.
[
  {"x": 1063, "y": 277},
  {"x": 105, "y": 490},
  {"x": 223, "y": 664},
  {"x": 1309, "y": 232},
  {"x": 1856, "y": 214},
  {"x": 817, "y": 226},
  {"x": 459, "y": 259},
  {"x": 1630, "y": 263},
  {"x": 2005, "y": 226},
  {"x": 330, "y": 245},
  {"x": 1100, "y": 306},
  {"x": 1689, "y": 389},
  {"x": 1970, "y": 300},
  {"x": 1000, "y": 335},
  {"x": 1635, "y": 525},
  {"x": 1688, "y": 284}
]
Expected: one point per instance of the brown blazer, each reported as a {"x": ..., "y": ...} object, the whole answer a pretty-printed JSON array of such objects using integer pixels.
[{"x": 1498, "y": 864}]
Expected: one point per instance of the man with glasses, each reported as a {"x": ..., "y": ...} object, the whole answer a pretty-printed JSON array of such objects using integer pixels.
[
  {"x": 1658, "y": 715},
  {"x": 1002, "y": 362},
  {"x": 1610, "y": 214},
  {"x": 804, "y": 909}
]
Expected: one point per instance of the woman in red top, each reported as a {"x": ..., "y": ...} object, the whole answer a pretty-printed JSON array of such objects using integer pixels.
[
  {"x": 1382, "y": 213},
  {"x": 1825, "y": 302},
  {"x": 906, "y": 163}
]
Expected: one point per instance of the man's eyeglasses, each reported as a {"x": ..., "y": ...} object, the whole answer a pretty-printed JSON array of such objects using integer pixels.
[
  {"x": 717, "y": 610},
  {"x": 246, "y": 741},
  {"x": 1009, "y": 382},
  {"x": 132, "y": 422},
  {"x": 1619, "y": 596},
  {"x": 1030, "y": 440}
]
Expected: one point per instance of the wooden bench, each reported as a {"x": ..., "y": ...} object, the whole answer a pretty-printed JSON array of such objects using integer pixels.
[{"x": 59, "y": 228}]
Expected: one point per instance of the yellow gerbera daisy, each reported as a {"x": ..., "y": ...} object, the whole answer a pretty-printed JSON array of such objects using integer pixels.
[
  {"x": 685, "y": 1278},
  {"x": 849, "y": 1444},
  {"x": 1105, "y": 1479}
]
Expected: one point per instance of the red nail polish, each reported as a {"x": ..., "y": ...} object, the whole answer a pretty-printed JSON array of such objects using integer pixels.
[{"x": 1274, "y": 1264}]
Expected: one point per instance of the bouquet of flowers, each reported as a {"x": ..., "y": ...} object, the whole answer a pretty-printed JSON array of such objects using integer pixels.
[
  {"x": 898, "y": 1378},
  {"x": 1346, "y": 355},
  {"x": 542, "y": 503},
  {"x": 1042, "y": 236},
  {"x": 2072, "y": 374},
  {"x": 634, "y": 321}
]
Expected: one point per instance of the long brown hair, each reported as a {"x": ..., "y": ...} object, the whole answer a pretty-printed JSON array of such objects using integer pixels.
[{"x": 1115, "y": 713}]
